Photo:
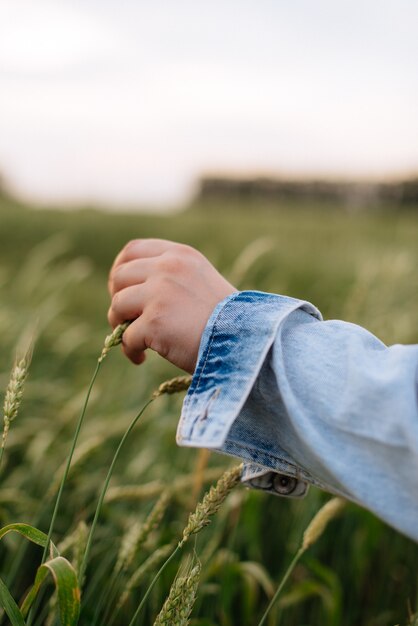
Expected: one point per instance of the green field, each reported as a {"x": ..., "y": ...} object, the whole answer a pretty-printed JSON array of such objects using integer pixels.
[{"x": 53, "y": 272}]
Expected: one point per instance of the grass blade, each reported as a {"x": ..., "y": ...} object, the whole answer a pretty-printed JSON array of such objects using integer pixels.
[
  {"x": 31, "y": 533},
  {"x": 66, "y": 583},
  {"x": 9, "y": 605},
  {"x": 105, "y": 487}
]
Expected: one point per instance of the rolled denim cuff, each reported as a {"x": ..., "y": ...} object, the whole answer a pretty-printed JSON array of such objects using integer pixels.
[{"x": 234, "y": 346}]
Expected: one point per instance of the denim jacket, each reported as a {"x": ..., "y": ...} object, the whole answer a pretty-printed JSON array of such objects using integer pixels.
[{"x": 305, "y": 401}]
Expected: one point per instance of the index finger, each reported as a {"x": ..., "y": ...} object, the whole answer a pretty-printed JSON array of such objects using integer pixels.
[{"x": 141, "y": 249}]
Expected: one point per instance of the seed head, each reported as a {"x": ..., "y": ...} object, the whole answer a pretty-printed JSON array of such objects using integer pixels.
[
  {"x": 174, "y": 385},
  {"x": 211, "y": 502},
  {"x": 114, "y": 339},
  {"x": 318, "y": 524},
  {"x": 128, "y": 545},
  {"x": 139, "y": 533},
  {"x": 14, "y": 393},
  {"x": 154, "y": 488},
  {"x": 179, "y": 604}
]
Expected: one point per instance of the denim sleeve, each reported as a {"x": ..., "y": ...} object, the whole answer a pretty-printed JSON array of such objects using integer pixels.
[{"x": 305, "y": 401}]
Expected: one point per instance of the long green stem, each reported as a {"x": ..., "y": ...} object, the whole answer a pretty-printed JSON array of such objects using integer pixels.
[
  {"x": 312, "y": 533},
  {"x": 104, "y": 490},
  {"x": 69, "y": 459},
  {"x": 114, "y": 339},
  {"x": 282, "y": 584},
  {"x": 64, "y": 478},
  {"x": 154, "y": 580}
]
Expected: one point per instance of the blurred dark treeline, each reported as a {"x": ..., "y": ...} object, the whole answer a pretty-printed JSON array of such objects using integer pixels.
[
  {"x": 343, "y": 193},
  {"x": 241, "y": 192}
]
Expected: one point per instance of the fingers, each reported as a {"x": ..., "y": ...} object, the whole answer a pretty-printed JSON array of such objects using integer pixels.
[
  {"x": 127, "y": 304},
  {"x": 133, "y": 342},
  {"x": 137, "y": 250},
  {"x": 142, "y": 249},
  {"x": 136, "y": 357},
  {"x": 129, "y": 274}
]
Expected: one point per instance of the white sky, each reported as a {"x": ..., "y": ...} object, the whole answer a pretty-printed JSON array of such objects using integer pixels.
[{"x": 128, "y": 102}]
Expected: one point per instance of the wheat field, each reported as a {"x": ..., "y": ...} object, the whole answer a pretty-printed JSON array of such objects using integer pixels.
[{"x": 53, "y": 272}]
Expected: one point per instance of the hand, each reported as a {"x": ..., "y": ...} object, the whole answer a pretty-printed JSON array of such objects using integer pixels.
[{"x": 169, "y": 290}]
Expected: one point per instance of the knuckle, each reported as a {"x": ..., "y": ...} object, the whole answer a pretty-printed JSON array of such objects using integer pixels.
[
  {"x": 171, "y": 263},
  {"x": 187, "y": 251},
  {"x": 164, "y": 291},
  {"x": 130, "y": 250},
  {"x": 163, "y": 263}
]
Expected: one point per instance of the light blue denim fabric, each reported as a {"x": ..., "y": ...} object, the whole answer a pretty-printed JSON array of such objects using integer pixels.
[{"x": 305, "y": 401}]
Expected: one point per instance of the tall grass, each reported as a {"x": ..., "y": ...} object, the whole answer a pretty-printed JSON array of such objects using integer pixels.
[{"x": 355, "y": 267}]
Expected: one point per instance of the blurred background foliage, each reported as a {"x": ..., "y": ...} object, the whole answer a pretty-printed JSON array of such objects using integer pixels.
[{"x": 358, "y": 266}]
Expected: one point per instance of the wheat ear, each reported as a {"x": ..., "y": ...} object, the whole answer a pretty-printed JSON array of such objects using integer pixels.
[
  {"x": 112, "y": 340},
  {"x": 198, "y": 520},
  {"x": 211, "y": 502},
  {"x": 154, "y": 488},
  {"x": 13, "y": 395},
  {"x": 174, "y": 385},
  {"x": 138, "y": 533},
  {"x": 179, "y": 604},
  {"x": 318, "y": 524}
]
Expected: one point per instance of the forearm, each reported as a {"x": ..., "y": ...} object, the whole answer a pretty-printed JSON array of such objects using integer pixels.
[{"x": 330, "y": 405}]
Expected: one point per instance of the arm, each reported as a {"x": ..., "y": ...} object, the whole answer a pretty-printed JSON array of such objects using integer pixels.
[{"x": 321, "y": 402}]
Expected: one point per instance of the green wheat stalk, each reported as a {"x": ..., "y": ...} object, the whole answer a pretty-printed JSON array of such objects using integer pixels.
[
  {"x": 114, "y": 339},
  {"x": 200, "y": 518},
  {"x": 312, "y": 533},
  {"x": 174, "y": 385}
]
